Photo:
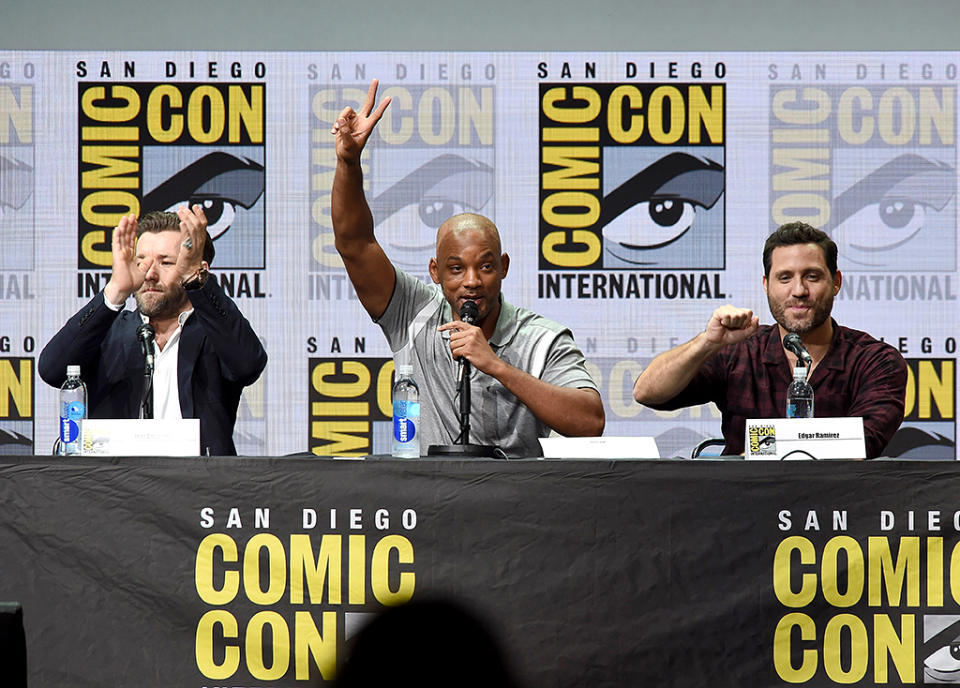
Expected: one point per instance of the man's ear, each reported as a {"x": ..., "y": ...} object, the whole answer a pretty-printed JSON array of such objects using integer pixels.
[
  {"x": 434, "y": 271},
  {"x": 837, "y": 281},
  {"x": 505, "y": 263}
]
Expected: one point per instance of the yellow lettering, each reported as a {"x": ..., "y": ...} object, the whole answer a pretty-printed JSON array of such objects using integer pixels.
[
  {"x": 781, "y": 572},
  {"x": 900, "y": 648},
  {"x": 309, "y": 643},
  {"x": 830, "y": 571},
  {"x": 277, "y": 567},
  {"x": 112, "y": 170},
  {"x": 121, "y": 113},
  {"x": 589, "y": 254},
  {"x": 204, "y": 567},
  {"x": 248, "y": 113},
  {"x": 576, "y": 164},
  {"x": 380, "y": 570},
  {"x": 572, "y": 115},
  {"x": 315, "y": 572},
  {"x": 16, "y": 388},
  {"x": 859, "y": 648},
  {"x": 19, "y": 111},
  {"x": 205, "y": 642},
  {"x": 164, "y": 98},
  {"x": 279, "y": 642},
  {"x": 906, "y": 570},
  {"x": 209, "y": 99},
  {"x": 781, "y": 648}
]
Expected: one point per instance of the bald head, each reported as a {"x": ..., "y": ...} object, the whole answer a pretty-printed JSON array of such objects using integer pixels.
[
  {"x": 469, "y": 266},
  {"x": 460, "y": 227}
]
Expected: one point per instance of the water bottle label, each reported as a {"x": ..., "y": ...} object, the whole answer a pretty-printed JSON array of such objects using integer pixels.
[
  {"x": 74, "y": 410},
  {"x": 404, "y": 430},
  {"x": 69, "y": 430}
]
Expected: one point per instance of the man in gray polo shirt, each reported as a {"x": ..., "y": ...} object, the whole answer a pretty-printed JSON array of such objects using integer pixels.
[{"x": 529, "y": 375}]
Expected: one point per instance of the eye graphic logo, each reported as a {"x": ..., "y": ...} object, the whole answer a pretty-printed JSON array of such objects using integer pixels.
[
  {"x": 656, "y": 208},
  {"x": 895, "y": 215},
  {"x": 16, "y": 223},
  {"x": 941, "y": 649},
  {"x": 762, "y": 440},
  {"x": 230, "y": 190},
  {"x": 408, "y": 213},
  {"x": 16, "y": 184}
]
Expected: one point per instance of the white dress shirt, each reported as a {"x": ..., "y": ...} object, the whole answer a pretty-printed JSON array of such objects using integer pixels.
[{"x": 166, "y": 391}]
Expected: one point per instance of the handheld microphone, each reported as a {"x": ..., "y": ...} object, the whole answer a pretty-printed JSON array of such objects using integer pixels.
[
  {"x": 794, "y": 344},
  {"x": 469, "y": 312},
  {"x": 145, "y": 334}
]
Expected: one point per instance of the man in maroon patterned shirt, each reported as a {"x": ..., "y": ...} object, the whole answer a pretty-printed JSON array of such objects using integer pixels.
[{"x": 744, "y": 368}]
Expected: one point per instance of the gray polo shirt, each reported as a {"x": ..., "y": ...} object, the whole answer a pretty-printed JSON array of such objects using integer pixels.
[{"x": 541, "y": 347}]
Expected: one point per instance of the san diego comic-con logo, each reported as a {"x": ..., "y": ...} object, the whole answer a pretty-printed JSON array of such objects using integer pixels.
[
  {"x": 17, "y": 176},
  {"x": 941, "y": 648},
  {"x": 929, "y": 429},
  {"x": 762, "y": 440},
  {"x": 632, "y": 176},
  {"x": 875, "y": 167},
  {"x": 17, "y": 181},
  {"x": 16, "y": 406},
  {"x": 156, "y": 146},
  {"x": 280, "y": 605},
  {"x": 347, "y": 396},
  {"x": 430, "y": 157}
]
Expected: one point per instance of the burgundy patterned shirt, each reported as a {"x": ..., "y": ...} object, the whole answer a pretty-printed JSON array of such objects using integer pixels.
[{"x": 859, "y": 376}]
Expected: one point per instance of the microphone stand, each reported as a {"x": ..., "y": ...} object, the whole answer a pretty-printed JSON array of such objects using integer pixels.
[
  {"x": 146, "y": 399},
  {"x": 463, "y": 448},
  {"x": 145, "y": 334},
  {"x": 464, "y": 384}
]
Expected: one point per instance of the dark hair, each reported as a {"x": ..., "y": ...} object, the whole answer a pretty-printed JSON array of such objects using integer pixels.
[
  {"x": 428, "y": 643},
  {"x": 800, "y": 233},
  {"x": 158, "y": 221}
]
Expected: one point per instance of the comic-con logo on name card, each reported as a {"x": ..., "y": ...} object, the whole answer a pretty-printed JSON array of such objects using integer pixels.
[
  {"x": 632, "y": 178},
  {"x": 17, "y": 180},
  {"x": 157, "y": 146},
  {"x": 430, "y": 157},
  {"x": 762, "y": 440},
  {"x": 16, "y": 406},
  {"x": 874, "y": 166}
]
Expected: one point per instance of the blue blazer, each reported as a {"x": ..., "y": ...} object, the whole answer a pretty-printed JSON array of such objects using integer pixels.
[{"x": 219, "y": 355}]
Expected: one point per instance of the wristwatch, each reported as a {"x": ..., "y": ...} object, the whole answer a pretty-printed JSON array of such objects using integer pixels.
[{"x": 197, "y": 280}]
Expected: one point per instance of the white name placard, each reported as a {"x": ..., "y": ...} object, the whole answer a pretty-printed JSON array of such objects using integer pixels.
[
  {"x": 138, "y": 437},
  {"x": 599, "y": 448},
  {"x": 804, "y": 438}
]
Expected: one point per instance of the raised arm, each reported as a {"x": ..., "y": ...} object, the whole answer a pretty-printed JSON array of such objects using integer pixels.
[
  {"x": 669, "y": 373},
  {"x": 367, "y": 265},
  {"x": 242, "y": 357}
]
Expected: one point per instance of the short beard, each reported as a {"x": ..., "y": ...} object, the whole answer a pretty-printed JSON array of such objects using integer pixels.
[
  {"x": 167, "y": 306},
  {"x": 821, "y": 311}
]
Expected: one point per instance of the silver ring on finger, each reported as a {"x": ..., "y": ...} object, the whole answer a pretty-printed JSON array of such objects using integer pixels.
[{"x": 188, "y": 243}]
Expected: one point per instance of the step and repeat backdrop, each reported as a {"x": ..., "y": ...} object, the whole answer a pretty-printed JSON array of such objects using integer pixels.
[{"x": 633, "y": 192}]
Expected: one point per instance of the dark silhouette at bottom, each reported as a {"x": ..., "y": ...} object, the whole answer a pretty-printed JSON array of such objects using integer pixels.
[{"x": 425, "y": 643}]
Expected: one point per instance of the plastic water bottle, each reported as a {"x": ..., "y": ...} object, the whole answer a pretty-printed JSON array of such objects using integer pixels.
[
  {"x": 406, "y": 415},
  {"x": 800, "y": 395},
  {"x": 73, "y": 409}
]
